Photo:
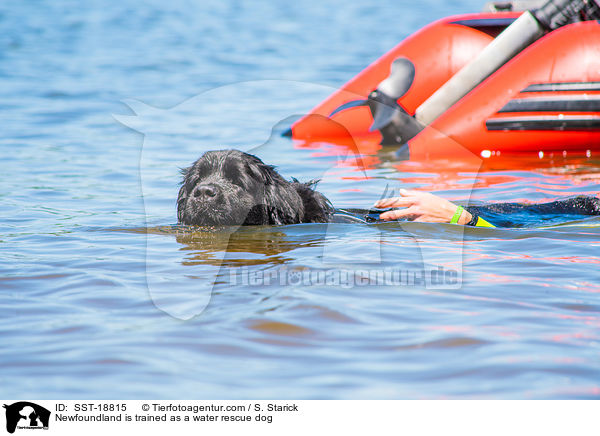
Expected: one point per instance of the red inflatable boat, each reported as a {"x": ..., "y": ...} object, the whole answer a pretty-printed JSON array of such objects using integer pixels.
[{"x": 544, "y": 99}]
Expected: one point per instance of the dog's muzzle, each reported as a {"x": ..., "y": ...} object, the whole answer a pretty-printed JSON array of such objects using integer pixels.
[{"x": 205, "y": 191}]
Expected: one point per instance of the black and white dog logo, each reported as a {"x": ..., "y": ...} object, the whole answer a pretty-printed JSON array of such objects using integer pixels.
[{"x": 26, "y": 415}]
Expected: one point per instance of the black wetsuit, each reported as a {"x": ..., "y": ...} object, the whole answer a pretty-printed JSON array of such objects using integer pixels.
[
  {"x": 506, "y": 214},
  {"x": 531, "y": 215}
]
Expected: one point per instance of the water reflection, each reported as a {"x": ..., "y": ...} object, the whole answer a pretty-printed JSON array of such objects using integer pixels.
[
  {"x": 239, "y": 246},
  {"x": 243, "y": 247}
]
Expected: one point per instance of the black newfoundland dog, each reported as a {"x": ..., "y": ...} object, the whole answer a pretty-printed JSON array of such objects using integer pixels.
[{"x": 232, "y": 188}]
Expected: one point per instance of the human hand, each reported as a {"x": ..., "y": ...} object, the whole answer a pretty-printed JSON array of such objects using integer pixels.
[{"x": 421, "y": 206}]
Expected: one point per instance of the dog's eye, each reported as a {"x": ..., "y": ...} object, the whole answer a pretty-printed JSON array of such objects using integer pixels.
[
  {"x": 191, "y": 181},
  {"x": 201, "y": 172},
  {"x": 234, "y": 173},
  {"x": 237, "y": 179}
]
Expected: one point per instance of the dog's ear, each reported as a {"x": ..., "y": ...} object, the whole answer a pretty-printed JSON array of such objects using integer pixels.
[
  {"x": 185, "y": 173},
  {"x": 317, "y": 208},
  {"x": 278, "y": 203},
  {"x": 267, "y": 174},
  {"x": 181, "y": 199},
  {"x": 183, "y": 194},
  {"x": 270, "y": 174}
]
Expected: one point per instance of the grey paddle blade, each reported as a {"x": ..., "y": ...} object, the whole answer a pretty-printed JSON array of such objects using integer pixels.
[
  {"x": 383, "y": 115},
  {"x": 353, "y": 103},
  {"x": 391, "y": 119},
  {"x": 402, "y": 74}
]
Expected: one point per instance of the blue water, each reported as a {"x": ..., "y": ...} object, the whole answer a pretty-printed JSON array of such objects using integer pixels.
[{"x": 101, "y": 104}]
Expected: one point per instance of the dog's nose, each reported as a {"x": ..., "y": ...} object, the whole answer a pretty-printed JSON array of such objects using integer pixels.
[{"x": 205, "y": 191}]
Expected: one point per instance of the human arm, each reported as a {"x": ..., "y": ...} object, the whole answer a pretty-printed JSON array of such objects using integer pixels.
[{"x": 426, "y": 207}]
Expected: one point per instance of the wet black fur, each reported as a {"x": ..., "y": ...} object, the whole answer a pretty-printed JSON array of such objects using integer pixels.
[{"x": 230, "y": 187}]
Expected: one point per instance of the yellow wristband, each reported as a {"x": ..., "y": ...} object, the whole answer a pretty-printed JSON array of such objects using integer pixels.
[
  {"x": 457, "y": 214},
  {"x": 483, "y": 223}
]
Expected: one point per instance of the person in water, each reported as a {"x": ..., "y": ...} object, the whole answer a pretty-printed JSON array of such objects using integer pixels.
[{"x": 426, "y": 207}]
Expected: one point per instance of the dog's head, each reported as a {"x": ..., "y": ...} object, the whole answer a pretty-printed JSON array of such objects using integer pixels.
[{"x": 230, "y": 187}]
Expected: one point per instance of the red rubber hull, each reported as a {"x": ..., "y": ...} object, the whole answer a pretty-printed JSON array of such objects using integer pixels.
[{"x": 545, "y": 100}]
